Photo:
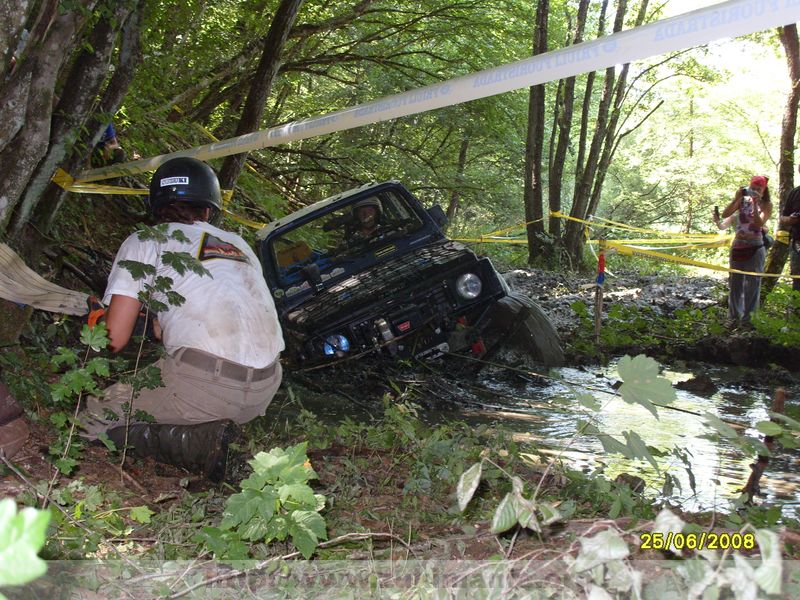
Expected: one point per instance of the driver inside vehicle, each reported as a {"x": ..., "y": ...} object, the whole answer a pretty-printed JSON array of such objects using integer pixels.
[{"x": 366, "y": 219}]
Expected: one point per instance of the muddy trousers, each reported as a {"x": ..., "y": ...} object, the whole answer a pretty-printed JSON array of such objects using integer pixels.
[
  {"x": 745, "y": 290},
  {"x": 198, "y": 388}
]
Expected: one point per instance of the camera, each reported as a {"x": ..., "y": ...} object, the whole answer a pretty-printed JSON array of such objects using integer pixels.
[{"x": 746, "y": 191}]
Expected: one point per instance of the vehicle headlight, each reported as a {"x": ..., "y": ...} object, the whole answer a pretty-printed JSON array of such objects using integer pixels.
[
  {"x": 469, "y": 286},
  {"x": 336, "y": 344}
]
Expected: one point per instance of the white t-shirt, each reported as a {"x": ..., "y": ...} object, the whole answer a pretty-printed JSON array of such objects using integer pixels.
[{"x": 230, "y": 314}]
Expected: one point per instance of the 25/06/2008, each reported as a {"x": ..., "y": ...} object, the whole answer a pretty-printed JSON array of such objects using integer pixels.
[{"x": 698, "y": 541}]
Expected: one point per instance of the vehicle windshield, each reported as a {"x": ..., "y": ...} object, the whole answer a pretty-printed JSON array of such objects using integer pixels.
[{"x": 342, "y": 240}]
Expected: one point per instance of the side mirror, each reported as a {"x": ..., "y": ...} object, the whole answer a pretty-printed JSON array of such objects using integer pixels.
[{"x": 437, "y": 214}]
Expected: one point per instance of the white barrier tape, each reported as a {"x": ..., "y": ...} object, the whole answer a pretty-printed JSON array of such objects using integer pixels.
[{"x": 727, "y": 19}]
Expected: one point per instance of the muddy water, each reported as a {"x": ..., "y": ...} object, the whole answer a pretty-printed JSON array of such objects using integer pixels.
[{"x": 546, "y": 417}]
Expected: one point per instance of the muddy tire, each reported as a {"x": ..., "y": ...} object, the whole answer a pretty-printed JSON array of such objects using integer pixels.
[{"x": 520, "y": 322}]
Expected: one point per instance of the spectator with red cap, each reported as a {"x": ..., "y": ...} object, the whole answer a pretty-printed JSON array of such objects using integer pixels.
[{"x": 753, "y": 208}]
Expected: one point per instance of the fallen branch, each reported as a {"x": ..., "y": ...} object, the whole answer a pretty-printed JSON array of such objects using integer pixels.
[{"x": 239, "y": 573}]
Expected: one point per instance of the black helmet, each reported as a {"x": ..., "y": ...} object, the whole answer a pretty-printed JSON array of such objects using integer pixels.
[{"x": 188, "y": 180}]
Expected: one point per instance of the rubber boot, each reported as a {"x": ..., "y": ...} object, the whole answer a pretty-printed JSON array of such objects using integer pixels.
[{"x": 201, "y": 449}]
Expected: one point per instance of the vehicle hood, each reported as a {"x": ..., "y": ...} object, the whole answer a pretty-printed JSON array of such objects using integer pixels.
[{"x": 388, "y": 282}]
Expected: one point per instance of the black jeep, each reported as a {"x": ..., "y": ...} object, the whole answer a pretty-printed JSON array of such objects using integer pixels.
[{"x": 349, "y": 281}]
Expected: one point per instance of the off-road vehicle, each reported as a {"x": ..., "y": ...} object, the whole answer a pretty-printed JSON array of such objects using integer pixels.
[{"x": 390, "y": 283}]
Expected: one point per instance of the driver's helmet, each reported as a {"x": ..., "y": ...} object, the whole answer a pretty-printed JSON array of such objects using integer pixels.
[{"x": 374, "y": 202}]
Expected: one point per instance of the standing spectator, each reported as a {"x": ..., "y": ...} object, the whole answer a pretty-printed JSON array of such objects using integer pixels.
[
  {"x": 753, "y": 209},
  {"x": 790, "y": 219}
]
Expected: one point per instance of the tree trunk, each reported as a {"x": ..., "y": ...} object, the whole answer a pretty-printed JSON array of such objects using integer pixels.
[
  {"x": 26, "y": 99},
  {"x": 262, "y": 84},
  {"x": 455, "y": 197},
  {"x": 580, "y": 203},
  {"x": 12, "y": 21},
  {"x": 609, "y": 147},
  {"x": 564, "y": 129},
  {"x": 534, "y": 143},
  {"x": 586, "y": 106},
  {"x": 778, "y": 254},
  {"x": 73, "y": 130}
]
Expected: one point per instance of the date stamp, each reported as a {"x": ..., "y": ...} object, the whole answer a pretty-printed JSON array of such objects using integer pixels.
[{"x": 698, "y": 541}]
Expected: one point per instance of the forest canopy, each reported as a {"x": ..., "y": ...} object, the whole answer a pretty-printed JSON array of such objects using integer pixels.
[{"x": 657, "y": 142}]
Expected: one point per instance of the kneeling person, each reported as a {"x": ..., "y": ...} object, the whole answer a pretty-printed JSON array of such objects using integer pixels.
[{"x": 223, "y": 342}]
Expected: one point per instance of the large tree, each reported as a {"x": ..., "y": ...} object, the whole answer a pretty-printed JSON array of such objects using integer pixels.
[
  {"x": 534, "y": 148},
  {"x": 779, "y": 252},
  {"x": 261, "y": 85},
  {"x": 55, "y": 96}
]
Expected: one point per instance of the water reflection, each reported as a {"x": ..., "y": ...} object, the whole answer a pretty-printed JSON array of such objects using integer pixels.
[
  {"x": 546, "y": 415},
  {"x": 719, "y": 469}
]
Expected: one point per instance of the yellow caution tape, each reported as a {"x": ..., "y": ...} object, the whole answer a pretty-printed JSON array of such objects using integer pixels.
[
  {"x": 64, "y": 180},
  {"x": 244, "y": 221},
  {"x": 512, "y": 228},
  {"x": 630, "y": 251}
]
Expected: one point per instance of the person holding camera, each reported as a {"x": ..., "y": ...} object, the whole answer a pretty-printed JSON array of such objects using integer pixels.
[
  {"x": 753, "y": 208},
  {"x": 790, "y": 219}
]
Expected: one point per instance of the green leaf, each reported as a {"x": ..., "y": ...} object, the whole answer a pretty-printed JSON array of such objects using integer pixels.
[
  {"x": 642, "y": 384},
  {"x": 58, "y": 419},
  {"x": 612, "y": 445},
  {"x": 720, "y": 426},
  {"x": 526, "y": 513},
  {"x": 256, "y": 529},
  {"x": 93, "y": 497},
  {"x": 65, "y": 465},
  {"x": 306, "y": 529},
  {"x": 157, "y": 233},
  {"x": 792, "y": 423},
  {"x": 299, "y": 492},
  {"x": 178, "y": 235},
  {"x": 586, "y": 428},
  {"x": 141, "y": 514},
  {"x": 588, "y": 401},
  {"x": 103, "y": 437},
  {"x": 64, "y": 356},
  {"x": 639, "y": 449},
  {"x": 550, "y": 514},
  {"x": 96, "y": 337},
  {"x": 467, "y": 484},
  {"x": 505, "y": 517},
  {"x": 138, "y": 270},
  {"x": 183, "y": 262},
  {"x": 606, "y": 546},
  {"x": 21, "y": 537},
  {"x": 580, "y": 308},
  {"x": 769, "y": 573},
  {"x": 240, "y": 508},
  {"x": 98, "y": 366},
  {"x": 769, "y": 428}
]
